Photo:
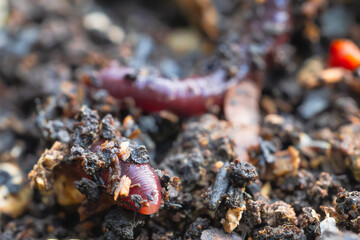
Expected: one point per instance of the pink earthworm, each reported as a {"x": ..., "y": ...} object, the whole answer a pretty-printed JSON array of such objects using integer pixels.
[
  {"x": 192, "y": 95},
  {"x": 144, "y": 179}
]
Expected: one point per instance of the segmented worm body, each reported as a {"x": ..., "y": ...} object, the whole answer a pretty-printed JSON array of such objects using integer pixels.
[
  {"x": 144, "y": 195},
  {"x": 191, "y": 96}
]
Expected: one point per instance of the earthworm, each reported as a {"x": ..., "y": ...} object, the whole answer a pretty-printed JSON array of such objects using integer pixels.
[
  {"x": 146, "y": 185},
  {"x": 144, "y": 194},
  {"x": 191, "y": 96}
]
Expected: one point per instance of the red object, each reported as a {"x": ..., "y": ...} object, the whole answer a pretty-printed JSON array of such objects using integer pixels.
[
  {"x": 152, "y": 93},
  {"x": 142, "y": 175},
  {"x": 344, "y": 53},
  {"x": 192, "y": 95},
  {"x": 149, "y": 187}
]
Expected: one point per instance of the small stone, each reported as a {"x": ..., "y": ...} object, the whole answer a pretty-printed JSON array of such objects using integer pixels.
[
  {"x": 96, "y": 21},
  {"x": 328, "y": 225},
  {"x": 315, "y": 102}
]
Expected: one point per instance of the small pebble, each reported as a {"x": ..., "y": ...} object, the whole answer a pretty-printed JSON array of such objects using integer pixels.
[
  {"x": 335, "y": 22},
  {"x": 97, "y": 21},
  {"x": 315, "y": 102},
  {"x": 328, "y": 225}
]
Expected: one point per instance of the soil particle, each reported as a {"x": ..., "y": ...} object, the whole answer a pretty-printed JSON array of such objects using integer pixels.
[
  {"x": 196, "y": 228},
  {"x": 241, "y": 174},
  {"x": 89, "y": 188},
  {"x": 348, "y": 210},
  {"x": 87, "y": 129},
  {"x": 310, "y": 222},
  {"x": 281, "y": 232},
  {"x": 119, "y": 224},
  {"x": 281, "y": 213},
  {"x": 140, "y": 155}
]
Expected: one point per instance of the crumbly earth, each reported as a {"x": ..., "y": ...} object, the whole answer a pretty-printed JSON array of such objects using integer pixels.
[{"x": 303, "y": 164}]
